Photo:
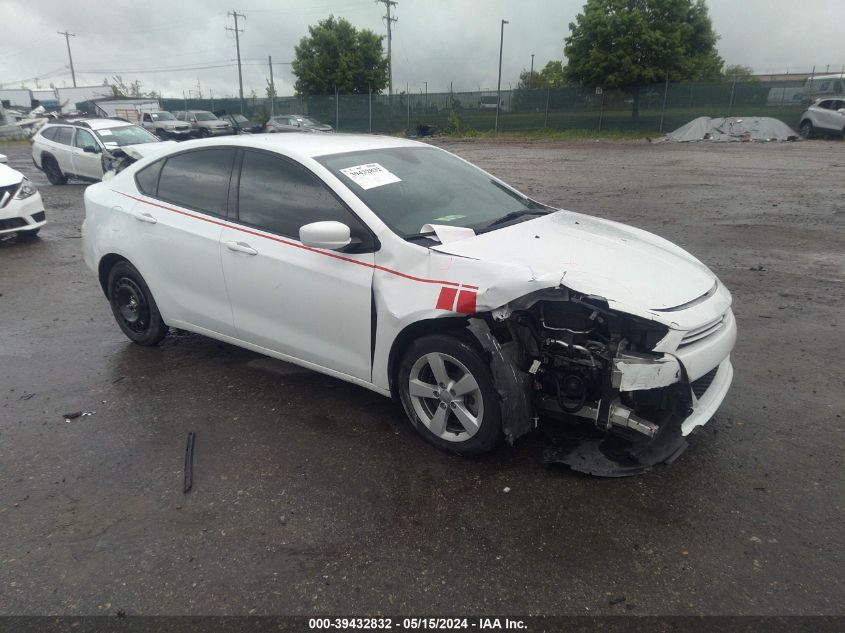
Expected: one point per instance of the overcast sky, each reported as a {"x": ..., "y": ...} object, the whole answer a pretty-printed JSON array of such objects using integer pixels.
[{"x": 437, "y": 41}]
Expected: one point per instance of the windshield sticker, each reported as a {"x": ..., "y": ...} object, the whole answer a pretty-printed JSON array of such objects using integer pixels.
[
  {"x": 370, "y": 175},
  {"x": 104, "y": 132},
  {"x": 449, "y": 218}
]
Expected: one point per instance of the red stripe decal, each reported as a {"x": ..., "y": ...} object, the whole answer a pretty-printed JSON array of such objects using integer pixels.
[
  {"x": 466, "y": 302},
  {"x": 295, "y": 245},
  {"x": 446, "y": 299}
]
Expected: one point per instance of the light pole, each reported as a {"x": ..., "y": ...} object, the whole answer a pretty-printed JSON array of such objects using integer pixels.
[
  {"x": 531, "y": 74},
  {"x": 499, "y": 84}
]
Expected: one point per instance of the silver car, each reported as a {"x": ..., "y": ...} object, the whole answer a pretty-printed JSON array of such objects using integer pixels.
[
  {"x": 205, "y": 124},
  {"x": 295, "y": 123},
  {"x": 824, "y": 116}
]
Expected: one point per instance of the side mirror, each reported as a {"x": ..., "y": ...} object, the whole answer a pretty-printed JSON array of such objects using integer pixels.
[
  {"x": 91, "y": 149},
  {"x": 330, "y": 235},
  {"x": 3, "y": 158}
]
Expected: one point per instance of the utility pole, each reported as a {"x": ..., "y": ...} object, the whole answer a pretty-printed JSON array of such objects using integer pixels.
[
  {"x": 389, "y": 20},
  {"x": 272, "y": 88},
  {"x": 236, "y": 30},
  {"x": 499, "y": 84},
  {"x": 531, "y": 74},
  {"x": 70, "y": 57}
]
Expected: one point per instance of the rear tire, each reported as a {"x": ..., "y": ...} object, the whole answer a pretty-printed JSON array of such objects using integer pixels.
[
  {"x": 806, "y": 130},
  {"x": 134, "y": 307},
  {"x": 53, "y": 171},
  {"x": 447, "y": 391}
]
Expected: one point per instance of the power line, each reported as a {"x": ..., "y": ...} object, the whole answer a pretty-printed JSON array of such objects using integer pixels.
[
  {"x": 389, "y": 20},
  {"x": 236, "y": 15},
  {"x": 67, "y": 41}
]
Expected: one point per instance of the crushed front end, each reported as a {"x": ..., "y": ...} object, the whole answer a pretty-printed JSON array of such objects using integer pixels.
[{"x": 615, "y": 393}]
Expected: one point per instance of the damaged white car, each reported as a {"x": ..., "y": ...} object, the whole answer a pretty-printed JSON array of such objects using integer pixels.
[
  {"x": 21, "y": 207},
  {"x": 402, "y": 268}
]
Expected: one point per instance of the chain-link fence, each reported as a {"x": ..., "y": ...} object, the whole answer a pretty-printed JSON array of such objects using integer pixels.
[{"x": 655, "y": 108}]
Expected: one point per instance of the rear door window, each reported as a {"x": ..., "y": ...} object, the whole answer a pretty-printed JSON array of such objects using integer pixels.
[
  {"x": 198, "y": 180},
  {"x": 64, "y": 135},
  {"x": 50, "y": 133}
]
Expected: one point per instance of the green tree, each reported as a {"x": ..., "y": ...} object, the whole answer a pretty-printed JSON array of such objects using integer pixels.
[
  {"x": 736, "y": 72},
  {"x": 337, "y": 55},
  {"x": 553, "y": 74},
  {"x": 627, "y": 44},
  {"x": 531, "y": 80},
  {"x": 270, "y": 89}
]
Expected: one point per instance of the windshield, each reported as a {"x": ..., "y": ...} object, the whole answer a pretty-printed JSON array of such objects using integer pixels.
[
  {"x": 125, "y": 135},
  {"x": 240, "y": 118},
  {"x": 408, "y": 187},
  {"x": 205, "y": 116},
  {"x": 309, "y": 121},
  {"x": 162, "y": 116}
]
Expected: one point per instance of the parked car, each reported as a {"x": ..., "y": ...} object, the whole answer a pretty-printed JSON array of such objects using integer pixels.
[
  {"x": 825, "y": 116},
  {"x": 402, "y": 268},
  {"x": 21, "y": 207},
  {"x": 165, "y": 126},
  {"x": 85, "y": 148},
  {"x": 295, "y": 123},
  {"x": 240, "y": 123},
  {"x": 204, "y": 123}
]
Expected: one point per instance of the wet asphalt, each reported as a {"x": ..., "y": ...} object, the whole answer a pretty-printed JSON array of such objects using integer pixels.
[{"x": 313, "y": 496}]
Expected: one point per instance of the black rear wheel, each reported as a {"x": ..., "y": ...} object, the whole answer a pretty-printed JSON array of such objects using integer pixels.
[
  {"x": 133, "y": 305},
  {"x": 806, "y": 129},
  {"x": 53, "y": 171}
]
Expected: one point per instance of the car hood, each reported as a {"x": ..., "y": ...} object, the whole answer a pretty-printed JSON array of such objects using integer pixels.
[
  {"x": 142, "y": 150},
  {"x": 9, "y": 176},
  {"x": 594, "y": 256},
  {"x": 173, "y": 124}
]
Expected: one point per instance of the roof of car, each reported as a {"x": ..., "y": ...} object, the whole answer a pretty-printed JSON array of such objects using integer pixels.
[
  {"x": 303, "y": 146},
  {"x": 94, "y": 124}
]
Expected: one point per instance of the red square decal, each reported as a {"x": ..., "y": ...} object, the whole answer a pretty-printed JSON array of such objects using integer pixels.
[{"x": 446, "y": 299}]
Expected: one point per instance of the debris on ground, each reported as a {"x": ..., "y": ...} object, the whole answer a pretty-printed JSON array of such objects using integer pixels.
[
  {"x": 732, "y": 129},
  {"x": 189, "y": 463},
  {"x": 506, "y": 489},
  {"x": 77, "y": 414}
]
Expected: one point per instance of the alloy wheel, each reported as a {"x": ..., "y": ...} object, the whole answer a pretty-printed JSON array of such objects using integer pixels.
[{"x": 446, "y": 397}]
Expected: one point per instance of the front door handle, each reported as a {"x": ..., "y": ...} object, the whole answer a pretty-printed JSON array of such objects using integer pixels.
[
  {"x": 241, "y": 247},
  {"x": 145, "y": 217}
]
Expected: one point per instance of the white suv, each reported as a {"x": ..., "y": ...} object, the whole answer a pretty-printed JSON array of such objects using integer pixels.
[
  {"x": 83, "y": 148},
  {"x": 825, "y": 116}
]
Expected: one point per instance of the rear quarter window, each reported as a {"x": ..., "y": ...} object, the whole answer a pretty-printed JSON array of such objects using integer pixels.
[
  {"x": 147, "y": 179},
  {"x": 49, "y": 133}
]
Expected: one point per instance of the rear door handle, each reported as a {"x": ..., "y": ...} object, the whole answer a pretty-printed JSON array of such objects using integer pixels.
[
  {"x": 241, "y": 247},
  {"x": 145, "y": 217}
]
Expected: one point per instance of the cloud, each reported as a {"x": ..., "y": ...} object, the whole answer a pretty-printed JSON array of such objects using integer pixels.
[{"x": 436, "y": 41}]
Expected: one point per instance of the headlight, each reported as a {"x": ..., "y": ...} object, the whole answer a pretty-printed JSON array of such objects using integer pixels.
[{"x": 25, "y": 190}]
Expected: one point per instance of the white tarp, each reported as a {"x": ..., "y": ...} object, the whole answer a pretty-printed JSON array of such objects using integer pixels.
[{"x": 733, "y": 129}]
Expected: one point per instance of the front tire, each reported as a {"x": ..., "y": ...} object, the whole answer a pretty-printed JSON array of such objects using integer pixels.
[
  {"x": 53, "y": 171},
  {"x": 203, "y": 133},
  {"x": 134, "y": 307},
  {"x": 447, "y": 391}
]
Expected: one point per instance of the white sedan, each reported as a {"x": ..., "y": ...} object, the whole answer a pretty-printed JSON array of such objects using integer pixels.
[
  {"x": 402, "y": 268},
  {"x": 21, "y": 207}
]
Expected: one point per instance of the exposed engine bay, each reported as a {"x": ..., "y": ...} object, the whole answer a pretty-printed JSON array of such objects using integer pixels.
[{"x": 608, "y": 402}]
